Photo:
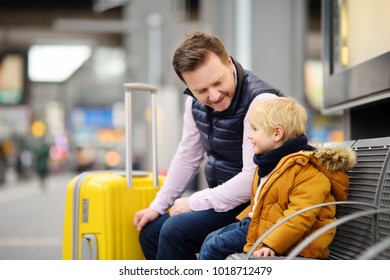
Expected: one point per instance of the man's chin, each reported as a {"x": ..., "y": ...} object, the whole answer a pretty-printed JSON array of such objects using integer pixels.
[{"x": 219, "y": 107}]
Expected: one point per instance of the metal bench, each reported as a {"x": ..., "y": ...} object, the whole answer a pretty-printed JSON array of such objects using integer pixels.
[
  {"x": 369, "y": 183},
  {"x": 363, "y": 225}
]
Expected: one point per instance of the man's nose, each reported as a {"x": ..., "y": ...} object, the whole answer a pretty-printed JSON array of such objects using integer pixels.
[{"x": 214, "y": 95}]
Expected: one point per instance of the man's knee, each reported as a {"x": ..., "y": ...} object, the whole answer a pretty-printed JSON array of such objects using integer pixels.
[
  {"x": 143, "y": 237},
  {"x": 148, "y": 239},
  {"x": 177, "y": 230},
  {"x": 169, "y": 228}
]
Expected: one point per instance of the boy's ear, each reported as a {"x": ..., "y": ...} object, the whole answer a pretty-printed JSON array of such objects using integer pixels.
[{"x": 279, "y": 133}]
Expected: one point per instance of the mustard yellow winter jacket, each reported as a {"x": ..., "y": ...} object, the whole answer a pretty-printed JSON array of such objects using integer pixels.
[{"x": 300, "y": 180}]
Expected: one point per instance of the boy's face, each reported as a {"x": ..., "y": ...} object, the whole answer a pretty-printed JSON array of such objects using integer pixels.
[
  {"x": 263, "y": 141},
  {"x": 213, "y": 83}
]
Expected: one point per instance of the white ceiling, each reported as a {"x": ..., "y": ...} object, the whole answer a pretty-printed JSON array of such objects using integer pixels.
[{"x": 24, "y": 23}]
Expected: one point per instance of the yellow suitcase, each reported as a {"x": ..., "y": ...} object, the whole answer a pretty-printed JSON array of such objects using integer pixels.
[{"x": 100, "y": 205}]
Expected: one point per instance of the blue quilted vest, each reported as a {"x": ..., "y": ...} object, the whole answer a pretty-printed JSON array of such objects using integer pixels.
[{"x": 222, "y": 132}]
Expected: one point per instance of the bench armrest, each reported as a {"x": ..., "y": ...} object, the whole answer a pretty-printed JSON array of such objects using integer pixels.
[
  {"x": 271, "y": 229},
  {"x": 295, "y": 252},
  {"x": 375, "y": 249}
]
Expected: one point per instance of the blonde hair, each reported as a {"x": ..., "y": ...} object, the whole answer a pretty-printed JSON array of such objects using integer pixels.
[{"x": 285, "y": 112}]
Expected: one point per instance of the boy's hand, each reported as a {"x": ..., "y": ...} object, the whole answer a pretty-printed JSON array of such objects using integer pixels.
[{"x": 264, "y": 252}]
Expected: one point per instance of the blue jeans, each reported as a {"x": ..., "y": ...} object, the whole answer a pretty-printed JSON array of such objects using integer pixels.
[
  {"x": 181, "y": 236},
  {"x": 225, "y": 241}
]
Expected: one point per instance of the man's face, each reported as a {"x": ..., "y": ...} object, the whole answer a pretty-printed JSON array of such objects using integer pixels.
[{"x": 212, "y": 83}]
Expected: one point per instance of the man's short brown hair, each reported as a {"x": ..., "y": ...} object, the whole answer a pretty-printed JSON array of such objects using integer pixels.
[{"x": 194, "y": 49}]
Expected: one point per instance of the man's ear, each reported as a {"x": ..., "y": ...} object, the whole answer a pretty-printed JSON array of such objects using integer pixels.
[
  {"x": 230, "y": 62},
  {"x": 279, "y": 133}
]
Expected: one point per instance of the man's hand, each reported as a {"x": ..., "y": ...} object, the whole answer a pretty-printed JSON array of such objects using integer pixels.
[
  {"x": 264, "y": 252},
  {"x": 144, "y": 216},
  {"x": 181, "y": 205}
]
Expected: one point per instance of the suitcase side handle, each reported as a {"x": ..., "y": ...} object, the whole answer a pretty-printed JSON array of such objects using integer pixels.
[
  {"x": 129, "y": 87},
  {"x": 89, "y": 247}
]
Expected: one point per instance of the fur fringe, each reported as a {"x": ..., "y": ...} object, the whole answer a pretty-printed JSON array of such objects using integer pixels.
[{"x": 336, "y": 158}]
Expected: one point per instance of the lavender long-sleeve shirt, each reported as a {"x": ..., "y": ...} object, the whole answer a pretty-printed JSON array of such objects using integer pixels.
[{"x": 185, "y": 165}]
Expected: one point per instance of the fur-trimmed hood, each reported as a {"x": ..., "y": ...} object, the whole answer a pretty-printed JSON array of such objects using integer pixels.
[
  {"x": 335, "y": 162},
  {"x": 336, "y": 158}
]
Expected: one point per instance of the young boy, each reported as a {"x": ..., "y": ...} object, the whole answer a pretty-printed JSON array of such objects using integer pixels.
[{"x": 291, "y": 175}]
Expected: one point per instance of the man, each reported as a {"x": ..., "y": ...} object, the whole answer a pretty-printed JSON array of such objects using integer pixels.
[{"x": 215, "y": 122}]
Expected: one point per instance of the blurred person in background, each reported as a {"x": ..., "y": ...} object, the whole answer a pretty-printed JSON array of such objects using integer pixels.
[
  {"x": 3, "y": 163},
  {"x": 42, "y": 163}
]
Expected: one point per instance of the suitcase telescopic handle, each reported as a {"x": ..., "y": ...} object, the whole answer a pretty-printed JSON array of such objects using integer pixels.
[{"x": 129, "y": 88}]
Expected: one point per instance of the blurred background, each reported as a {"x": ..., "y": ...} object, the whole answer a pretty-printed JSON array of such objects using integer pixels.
[{"x": 63, "y": 64}]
